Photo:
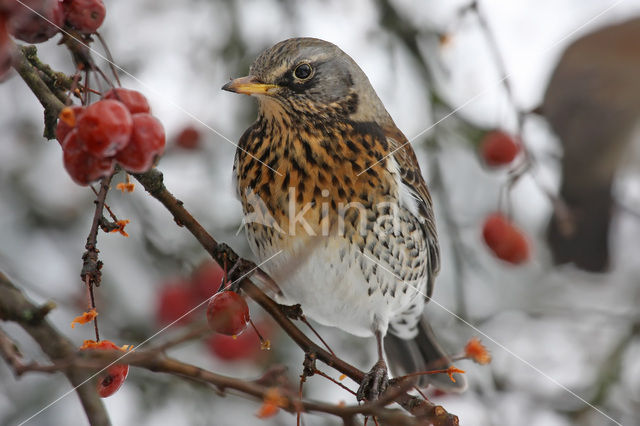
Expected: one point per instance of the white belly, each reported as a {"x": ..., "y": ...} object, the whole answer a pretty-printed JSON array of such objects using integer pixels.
[{"x": 325, "y": 276}]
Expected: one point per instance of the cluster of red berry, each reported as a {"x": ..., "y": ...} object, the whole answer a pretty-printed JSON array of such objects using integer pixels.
[
  {"x": 119, "y": 128},
  {"x": 504, "y": 239},
  {"x": 35, "y": 21},
  {"x": 227, "y": 312}
]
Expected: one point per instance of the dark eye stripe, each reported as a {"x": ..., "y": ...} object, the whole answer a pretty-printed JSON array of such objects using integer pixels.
[{"x": 302, "y": 71}]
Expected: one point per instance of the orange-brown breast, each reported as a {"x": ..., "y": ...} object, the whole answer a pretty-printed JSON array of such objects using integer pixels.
[{"x": 323, "y": 167}]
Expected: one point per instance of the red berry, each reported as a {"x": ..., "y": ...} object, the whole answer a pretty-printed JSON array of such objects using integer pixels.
[
  {"x": 147, "y": 141},
  {"x": 83, "y": 167},
  {"x": 85, "y": 16},
  {"x": 245, "y": 346},
  {"x": 110, "y": 380},
  {"x": 228, "y": 313},
  {"x": 206, "y": 279},
  {"x": 174, "y": 302},
  {"x": 134, "y": 101},
  {"x": 188, "y": 138},
  {"x": 505, "y": 240},
  {"x": 499, "y": 148},
  {"x": 26, "y": 23},
  {"x": 67, "y": 121},
  {"x": 105, "y": 127}
]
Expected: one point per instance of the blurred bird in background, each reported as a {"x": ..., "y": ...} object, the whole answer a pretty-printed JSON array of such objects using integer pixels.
[
  {"x": 360, "y": 250},
  {"x": 593, "y": 104}
]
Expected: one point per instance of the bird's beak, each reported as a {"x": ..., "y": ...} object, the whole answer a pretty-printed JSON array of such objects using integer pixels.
[{"x": 249, "y": 85}]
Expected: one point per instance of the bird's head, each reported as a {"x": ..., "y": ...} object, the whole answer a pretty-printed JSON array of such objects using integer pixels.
[{"x": 310, "y": 76}]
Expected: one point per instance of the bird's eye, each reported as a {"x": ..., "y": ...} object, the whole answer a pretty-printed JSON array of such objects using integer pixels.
[{"x": 302, "y": 71}]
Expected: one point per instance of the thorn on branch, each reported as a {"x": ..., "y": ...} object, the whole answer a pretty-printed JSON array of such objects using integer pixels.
[
  {"x": 91, "y": 266},
  {"x": 309, "y": 365}
]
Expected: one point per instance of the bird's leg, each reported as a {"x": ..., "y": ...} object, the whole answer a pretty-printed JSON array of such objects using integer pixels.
[{"x": 375, "y": 382}]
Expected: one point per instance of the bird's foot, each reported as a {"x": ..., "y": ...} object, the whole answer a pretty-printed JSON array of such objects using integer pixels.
[{"x": 375, "y": 382}]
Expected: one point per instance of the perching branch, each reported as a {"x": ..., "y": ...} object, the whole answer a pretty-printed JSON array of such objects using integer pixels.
[{"x": 14, "y": 306}]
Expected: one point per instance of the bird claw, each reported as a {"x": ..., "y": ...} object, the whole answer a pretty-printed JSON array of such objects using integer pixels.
[{"x": 374, "y": 383}]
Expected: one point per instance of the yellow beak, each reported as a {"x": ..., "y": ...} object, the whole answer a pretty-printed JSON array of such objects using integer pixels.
[{"x": 249, "y": 85}]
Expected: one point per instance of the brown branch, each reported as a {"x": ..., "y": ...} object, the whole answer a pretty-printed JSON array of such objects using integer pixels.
[
  {"x": 15, "y": 307},
  {"x": 91, "y": 265},
  {"x": 57, "y": 82},
  {"x": 52, "y": 105}
]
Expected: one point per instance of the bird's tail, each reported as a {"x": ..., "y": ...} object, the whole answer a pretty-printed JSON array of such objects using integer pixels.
[
  {"x": 583, "y": 236},
  {"x": 422, "y": 353}
]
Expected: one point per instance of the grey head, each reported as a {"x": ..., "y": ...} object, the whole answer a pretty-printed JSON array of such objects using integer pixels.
[{"x": 309, "y": 74}]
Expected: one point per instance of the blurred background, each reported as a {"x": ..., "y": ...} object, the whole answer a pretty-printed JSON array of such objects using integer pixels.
[{"x": 561, "y": 325}]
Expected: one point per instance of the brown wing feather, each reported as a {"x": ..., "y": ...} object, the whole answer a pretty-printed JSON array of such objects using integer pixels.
[{"x": 412, "y": 177}]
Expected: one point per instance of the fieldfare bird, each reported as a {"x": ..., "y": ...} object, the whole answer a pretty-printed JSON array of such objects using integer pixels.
[
  {"x": 592, "y": 103},
  {"x": 328, "y": 181}
]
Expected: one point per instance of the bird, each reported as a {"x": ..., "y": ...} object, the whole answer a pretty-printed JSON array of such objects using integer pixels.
[
  {"x": 336, "y": 206},
  {"x": 592, "y": 103}
]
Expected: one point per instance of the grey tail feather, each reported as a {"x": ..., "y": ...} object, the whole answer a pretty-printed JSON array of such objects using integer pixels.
[{"x": 422, "y": 353}]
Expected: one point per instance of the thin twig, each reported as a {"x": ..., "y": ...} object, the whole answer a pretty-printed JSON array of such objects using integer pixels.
[
  {"x": 313, "y": 330},
  {"x": 109, "y": 58},
  {"x": 331, "y": 379},
  {"x": 91, "y": 265}
]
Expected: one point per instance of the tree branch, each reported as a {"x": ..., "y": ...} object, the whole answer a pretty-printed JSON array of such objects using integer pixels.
[
  {"x": 52, "y": 105},
  {"x": 15, "y": 307}
]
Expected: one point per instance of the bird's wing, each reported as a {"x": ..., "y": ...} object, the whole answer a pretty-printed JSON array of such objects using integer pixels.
[{"x": 413, "y": 182}]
